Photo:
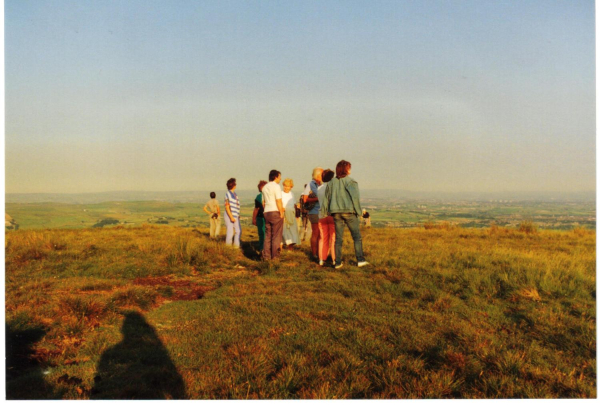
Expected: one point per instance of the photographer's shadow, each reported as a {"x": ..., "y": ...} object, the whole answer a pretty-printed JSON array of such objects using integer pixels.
[
  {"x": 138, "y": 367},
  {"x": 24, "y": 377}
]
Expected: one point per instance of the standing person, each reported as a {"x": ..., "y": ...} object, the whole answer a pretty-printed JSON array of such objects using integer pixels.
[
  {"x": 310, "y": 197},
  {"x": 298, "y": 218},
  {"x": 273, "y": 213},
  {"x": 290, "y": 226},
  {"x": 342, "y": 201},
  {"x": 326, "y": 224},
  {"x": 232, "y": 219},
  {"x": 304, "y": 228},
  {"x": 258, "y": 217},
  {"x": 214, "y": 215},
  {"x": 366, "y": 217}
]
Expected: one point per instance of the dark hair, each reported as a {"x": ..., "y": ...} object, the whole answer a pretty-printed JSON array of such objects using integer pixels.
[
  {"x": 273, "y": 174},
  {"x": 341, "y": 169},
  {"x": 327, "y": 175},
  {"x": 230, "y": 183},
  {"x": 261, "y": 184},
  {"x": 212, "y": 194}
]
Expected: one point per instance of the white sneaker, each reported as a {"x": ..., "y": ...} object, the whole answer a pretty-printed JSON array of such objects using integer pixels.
[
  {"x": 361, "y": 264},
  {"x": 321, "y": 263},
  {"x": 339, "y": 266}
]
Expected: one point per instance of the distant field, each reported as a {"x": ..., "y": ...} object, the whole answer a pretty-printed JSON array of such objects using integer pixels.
[
  {"x": 385, "y": 213},
  {"x": 136, "y": 213},
  {"x": 164, "y": 312}
]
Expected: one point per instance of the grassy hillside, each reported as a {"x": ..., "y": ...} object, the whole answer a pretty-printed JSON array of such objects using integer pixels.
[{"x": 164, "y": 312}]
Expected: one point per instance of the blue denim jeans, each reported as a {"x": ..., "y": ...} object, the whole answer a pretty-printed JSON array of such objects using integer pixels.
[{"x": 353, "y": 223}]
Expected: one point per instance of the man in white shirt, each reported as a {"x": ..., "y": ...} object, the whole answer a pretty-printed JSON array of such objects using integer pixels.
[{"x": 273, "y": 213}]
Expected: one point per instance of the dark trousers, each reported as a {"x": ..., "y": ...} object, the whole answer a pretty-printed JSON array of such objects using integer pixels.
[
  {"x": 273, "y": 235},
  {"x": 260, "y": 225},
  {"x": 353, "y": 223}
]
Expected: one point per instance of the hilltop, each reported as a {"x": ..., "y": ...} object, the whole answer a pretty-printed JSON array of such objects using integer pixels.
[{"x": 442, "y": 312}]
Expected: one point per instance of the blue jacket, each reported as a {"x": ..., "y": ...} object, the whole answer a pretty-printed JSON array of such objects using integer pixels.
[{"x": 342, "y": 196}]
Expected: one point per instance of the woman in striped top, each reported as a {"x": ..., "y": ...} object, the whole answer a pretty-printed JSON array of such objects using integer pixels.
[{"x": 232, "y": 219}]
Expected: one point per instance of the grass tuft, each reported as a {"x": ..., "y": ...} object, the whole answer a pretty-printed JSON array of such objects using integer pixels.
[
  {"x": 141, "y": 297},
  {"x": 528, "y": 227}
]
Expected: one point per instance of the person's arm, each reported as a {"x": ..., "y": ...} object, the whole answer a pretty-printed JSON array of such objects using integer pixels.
[
  {"x": 218, "y": 210},
  {"x": 352, "y": 188},
  {"x": 207, "y": 211},
  {"x": 254, "y": 213},
  {"x": 325, "y": 202},
  {"x": 308, "y": 199},
  {"x": 228, "y": 211},
  {"x": 280, "y": 207}
]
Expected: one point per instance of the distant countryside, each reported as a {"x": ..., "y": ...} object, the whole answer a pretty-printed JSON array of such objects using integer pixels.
[{"x": 385, "y": 212}]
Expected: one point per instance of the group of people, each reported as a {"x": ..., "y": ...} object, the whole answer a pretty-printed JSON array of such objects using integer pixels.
[{"x": 331, "y": 201}]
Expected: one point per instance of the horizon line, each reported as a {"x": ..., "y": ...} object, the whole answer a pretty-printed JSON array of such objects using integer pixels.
[{"x": 369, "y": 189}]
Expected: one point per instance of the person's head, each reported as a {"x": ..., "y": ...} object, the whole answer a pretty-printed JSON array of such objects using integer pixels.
[
  {"x": 327, "y": 175},
  {"x": 288, "y": 184},
  {"x": 316, "y": 174},
  {"x": 274, "y": 174},
  {"x": 231, "y": 184},
  {"x": 213, "y": 195},
  {"x": 342, "y": 169},
  {"x": 261, "y": 184}
]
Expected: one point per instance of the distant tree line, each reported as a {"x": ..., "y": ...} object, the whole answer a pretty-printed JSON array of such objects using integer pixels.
[{"x": 106, "y": 221}]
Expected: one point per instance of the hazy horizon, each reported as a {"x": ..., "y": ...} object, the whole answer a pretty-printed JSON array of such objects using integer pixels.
[
  {"x": 474, "y": 96},
  {"x": 248, "y": 195},
  {"x": 299, "y": 188}
]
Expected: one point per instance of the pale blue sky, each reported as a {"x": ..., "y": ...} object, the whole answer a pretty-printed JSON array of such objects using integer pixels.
[{"x": 419, "y": 95}]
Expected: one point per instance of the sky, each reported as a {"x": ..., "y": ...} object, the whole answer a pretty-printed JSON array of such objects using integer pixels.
[{"x": 419, "y": 95}]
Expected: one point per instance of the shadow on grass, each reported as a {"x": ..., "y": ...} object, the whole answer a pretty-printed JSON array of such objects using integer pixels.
[
  {"x": 250, "y": 250},
  {"x": 24, "y": 379},
  {"x": 138, "y": 367}
]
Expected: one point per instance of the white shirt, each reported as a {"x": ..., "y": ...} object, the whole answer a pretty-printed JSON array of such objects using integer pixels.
[
  {"x": 288, "y": 198},
  {"x": 271, "y": 193}
]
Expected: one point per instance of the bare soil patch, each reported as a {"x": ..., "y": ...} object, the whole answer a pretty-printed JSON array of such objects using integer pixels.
[{"x": 183, "y": 290}]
